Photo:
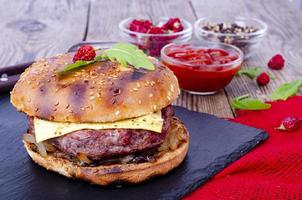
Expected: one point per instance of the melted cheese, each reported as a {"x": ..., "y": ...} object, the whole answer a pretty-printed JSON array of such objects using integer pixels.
[{"x": 45, "y": 130}]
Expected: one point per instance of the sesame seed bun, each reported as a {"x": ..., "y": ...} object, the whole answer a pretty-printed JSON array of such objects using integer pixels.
[
  {"x": 116, "y": 173},
  {"x": 101, "y": 92}
]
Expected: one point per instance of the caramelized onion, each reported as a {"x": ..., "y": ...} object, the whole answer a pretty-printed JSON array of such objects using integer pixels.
[
  {"x": 49, "y": 147},
  {"x": 173, "y": 142},
  {"x": 41, "y": 149},
  {"x": 126, "y": 159},
  {"x": 29, "y": 138},
  {"x": 40, "y": 146},
  {"x": 83, "y": 158},
  {"x": 176, "y": 134}
]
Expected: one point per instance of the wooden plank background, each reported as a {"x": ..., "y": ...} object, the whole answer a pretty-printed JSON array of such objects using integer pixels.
[{"x": 38, "y": 28}]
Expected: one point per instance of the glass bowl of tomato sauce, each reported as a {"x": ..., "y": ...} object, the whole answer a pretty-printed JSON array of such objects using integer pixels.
[{"x": 202, "y": 68}]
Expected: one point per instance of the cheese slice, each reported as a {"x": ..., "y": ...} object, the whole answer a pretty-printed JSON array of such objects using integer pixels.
[{"x": 45, "y": 130}]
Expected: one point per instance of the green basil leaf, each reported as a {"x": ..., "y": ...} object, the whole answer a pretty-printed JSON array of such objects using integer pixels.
[
  {"x": 77, "y": 64},
  {"x": 286, "y": 90},
  {"x": 245, "y": 102},
  {"x": 253, "y": 72},
  {"x": 128, "y": 54}
]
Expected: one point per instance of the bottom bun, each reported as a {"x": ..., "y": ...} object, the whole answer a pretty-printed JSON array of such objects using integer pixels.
[{"x": 116, "y": 173}]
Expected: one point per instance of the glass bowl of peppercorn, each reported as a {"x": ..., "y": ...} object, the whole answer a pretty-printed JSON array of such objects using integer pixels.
[
  {"x": 152, "y": 35},
  {"x": 245, "y": 33}
]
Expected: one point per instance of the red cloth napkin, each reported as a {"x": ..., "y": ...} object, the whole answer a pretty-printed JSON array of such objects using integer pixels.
[{"x": 273, "y": 170}]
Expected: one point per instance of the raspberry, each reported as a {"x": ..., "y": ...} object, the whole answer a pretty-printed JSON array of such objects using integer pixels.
[
  {"x": 156, "y": 30},
  {"x": 276, "y": 62},
  {"x": 263, "y": 79},
  {"x": 156, "y": 42},
  {"x": 173, "y": 24},
  {"x": 156, "y": 46},
  {"x": 290, "y": 124},
  {"x": 141, "y": 26},
  {"x": 85, "y": 52}
]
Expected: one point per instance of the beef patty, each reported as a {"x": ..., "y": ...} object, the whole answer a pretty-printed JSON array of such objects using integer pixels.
[{"x": 98, "y": 144}]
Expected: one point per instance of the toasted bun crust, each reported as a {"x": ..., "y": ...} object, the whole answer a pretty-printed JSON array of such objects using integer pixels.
[
  {"x": 101, "y": 92},
  {"x": 117, "y": 173}
]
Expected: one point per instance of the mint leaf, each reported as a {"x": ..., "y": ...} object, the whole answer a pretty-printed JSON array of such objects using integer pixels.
[
  {"x": 286, "y": 90},
  {"x": 75, "y": 65},
  {"x": 128, "y": 54},
  {"x": 245, "y": 102},
  {"x": 253, "y": 72}
]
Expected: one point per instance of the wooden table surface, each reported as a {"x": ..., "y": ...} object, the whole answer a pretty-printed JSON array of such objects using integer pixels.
[{"x": 37, "y": 28}]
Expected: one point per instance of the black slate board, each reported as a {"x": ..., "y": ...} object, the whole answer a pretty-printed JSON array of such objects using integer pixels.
[{"x": 214, "y": 144}]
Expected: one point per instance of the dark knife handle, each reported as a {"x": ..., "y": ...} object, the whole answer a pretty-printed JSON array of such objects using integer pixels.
[
  {"x": 9, "y": 75},
  {"x": 7, "y": 83},
  {"x": 15, "y": 69}
]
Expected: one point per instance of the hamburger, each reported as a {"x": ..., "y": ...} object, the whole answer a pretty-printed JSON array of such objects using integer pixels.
[{"x": 106, "y": 122}]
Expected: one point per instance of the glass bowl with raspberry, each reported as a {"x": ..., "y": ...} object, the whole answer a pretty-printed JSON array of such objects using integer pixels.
[
  {"x": 245, "y": 33},
  {"x": 202, "y": 68},
  {"x": 151, "y": 37}
]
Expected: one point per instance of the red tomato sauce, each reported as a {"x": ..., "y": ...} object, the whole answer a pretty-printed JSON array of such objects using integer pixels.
[{"x": 201, "y": 69}]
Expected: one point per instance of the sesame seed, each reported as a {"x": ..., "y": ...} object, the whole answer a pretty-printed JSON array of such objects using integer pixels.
[
  {"x": 68, "y": 105},
  {"x": 134, "y": 89},
  {"x": 150, "y": 95},
  {"x": 91, "y": 93},
  {"x": 138, "y": 85},
  {"x": 56, "y": 104},
  {"x": 139, "y": 101},
  {"x": 117, "y": 112},
  {"x": 154, "y": 107},
  {"x": 91, "y": 98},
  {"x": 169, "y": 98}
]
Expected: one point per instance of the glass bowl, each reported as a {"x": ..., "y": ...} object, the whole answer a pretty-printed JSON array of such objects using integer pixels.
[
  {"x": 200, "y": 78},
  {"x": 247, "y": 42},
  {"x": 151, "y": 44}
]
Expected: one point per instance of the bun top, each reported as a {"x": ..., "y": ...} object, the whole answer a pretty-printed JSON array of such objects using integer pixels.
[{"x": 100, "y": 92}]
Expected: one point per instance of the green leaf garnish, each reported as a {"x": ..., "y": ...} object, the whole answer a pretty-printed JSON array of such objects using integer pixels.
[
  {"x": 286, "y": 90},
  {"x": 253, "y": 72},
  {"x": 75, "y": 65},
  {"x": 123, "y": 53},
  {"x": 128, "y": 54},
  {"x": 250, "y": 72},
  {"x": 245, "y": 102}
]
